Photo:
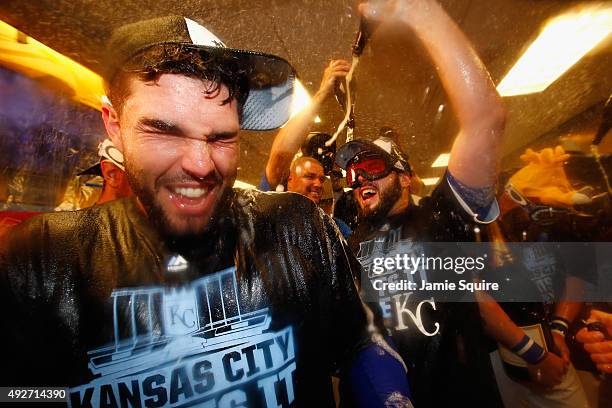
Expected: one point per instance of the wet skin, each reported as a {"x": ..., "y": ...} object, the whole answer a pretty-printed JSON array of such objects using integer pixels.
[
  {"x": 376, "y": 198},
  {"x": 180, "y": 143},
  {"x": 307, "y": 179}
]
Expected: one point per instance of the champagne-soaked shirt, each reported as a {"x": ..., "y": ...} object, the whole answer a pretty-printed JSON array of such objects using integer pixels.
[
  {"x": 425, "y": 329},
  {"x": 256, "y": 312}
]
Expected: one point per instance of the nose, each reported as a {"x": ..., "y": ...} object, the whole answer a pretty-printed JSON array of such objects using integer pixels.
[
  {"x": 197, "y": 159},
  {"x": 360, "y": 180}
]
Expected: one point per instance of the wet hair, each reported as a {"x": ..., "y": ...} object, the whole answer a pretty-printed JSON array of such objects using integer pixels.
[{"x": 210, "y": 65}]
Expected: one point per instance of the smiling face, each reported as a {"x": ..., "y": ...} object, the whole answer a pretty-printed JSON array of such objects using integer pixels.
[
  {"x": 180, "y": 143},
  {"x": 383, "y": 197},
  {"x": 306, "y": 178},
  {"x": 375, "y": 198}
]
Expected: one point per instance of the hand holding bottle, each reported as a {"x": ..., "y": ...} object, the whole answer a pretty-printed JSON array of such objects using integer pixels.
[
  {"x": 549, "y": 371},
  {"x": 597, "y": 342},
  {"x": 334, "y": 73}
]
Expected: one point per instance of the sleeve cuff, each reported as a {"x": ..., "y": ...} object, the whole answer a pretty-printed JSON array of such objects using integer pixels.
[{"x": 482, "y": 215}]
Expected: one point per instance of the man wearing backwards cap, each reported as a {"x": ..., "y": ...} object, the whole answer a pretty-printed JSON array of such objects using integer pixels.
[
  {"x": 191, "y": 293},
  {"x": 112, "y": 170},
  {"x": 81, "y": 193},
  {"x": 438, "y": 341}
]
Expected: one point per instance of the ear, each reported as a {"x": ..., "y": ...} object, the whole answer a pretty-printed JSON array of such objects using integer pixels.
[
  {"x": 111, "y": 123},
  {"x": 112, "y": 174},
  {"x": 404, "y": 179},
  {"x": 290, "y": 180}
]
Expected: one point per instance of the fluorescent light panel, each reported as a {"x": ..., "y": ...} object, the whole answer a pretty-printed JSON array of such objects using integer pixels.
[
  {"x": 563, "y": 42},
  {"x": 242, "y": 184},
  {"x": 441, "y": 161},
  {"x": 430, "y": 181}
]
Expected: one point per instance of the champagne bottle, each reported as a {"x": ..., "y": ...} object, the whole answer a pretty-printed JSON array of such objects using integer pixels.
[{"x": 531, "y": 317}]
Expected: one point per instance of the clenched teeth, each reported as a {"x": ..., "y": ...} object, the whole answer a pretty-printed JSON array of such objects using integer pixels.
[{"x": 191, "y": 192}]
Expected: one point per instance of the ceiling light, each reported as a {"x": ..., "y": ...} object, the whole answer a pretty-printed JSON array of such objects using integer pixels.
[
  {"x": 301, "y": 98},
  {"x": 242, "y": 184},
  {"x": 564, "y": 40},
  {"x": 441, "y": 161},
  {"x": 430, "y": 181}
]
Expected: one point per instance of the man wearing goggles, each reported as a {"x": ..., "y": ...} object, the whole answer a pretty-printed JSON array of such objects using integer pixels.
[
  {"x": 369, "y": 166},
  {"x": 428, "y": 331},
  {"x": 376, "y": 193}
]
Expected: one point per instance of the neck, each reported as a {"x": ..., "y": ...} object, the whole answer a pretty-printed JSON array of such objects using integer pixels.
[
  {"x": 107, "y": 195},
  {"x": 401, "y": 204}
]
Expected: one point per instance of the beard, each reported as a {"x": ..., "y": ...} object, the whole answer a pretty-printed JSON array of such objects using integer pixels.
[
  {"x": 162, "y": 221},
  {"x": 387, "y": 197}
]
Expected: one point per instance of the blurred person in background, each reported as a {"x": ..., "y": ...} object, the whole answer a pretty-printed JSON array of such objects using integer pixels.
[
  {"x": 306, "y": 173},
  {"x": 295, "y": 134},
  {"x": 112, "y": 170},
  {"x": 84, "y": 192},
  {"x": 542, "y": 286}
]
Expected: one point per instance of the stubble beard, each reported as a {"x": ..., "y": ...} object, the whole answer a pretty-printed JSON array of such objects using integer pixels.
[
  {"x": 163, "y": 223},
  {"x": 387, "y": 197}
]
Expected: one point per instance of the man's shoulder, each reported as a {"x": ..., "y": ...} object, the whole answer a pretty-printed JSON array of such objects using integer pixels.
[
  {"x": 73, "y": 219},
  {"x": 274, "y": 202},
  {"x": 265, "y": 212},
  {"x": 67, "y": 227}
]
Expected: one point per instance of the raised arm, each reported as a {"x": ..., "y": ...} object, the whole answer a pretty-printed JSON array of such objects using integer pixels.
[
  {"x": 290, "y": 138},
  {"x": 473, "y": 97}
]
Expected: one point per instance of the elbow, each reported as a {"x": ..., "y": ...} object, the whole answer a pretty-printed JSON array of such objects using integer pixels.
[
  {"x": 496, "y": 113},
  {"x": 490, "y": 120},
  {"x": 499, "y": 116}
]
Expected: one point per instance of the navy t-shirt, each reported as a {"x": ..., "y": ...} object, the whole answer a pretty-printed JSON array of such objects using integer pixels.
[
  {"x": 257, "y": 312},
  {"x": 264, "y": 185}
]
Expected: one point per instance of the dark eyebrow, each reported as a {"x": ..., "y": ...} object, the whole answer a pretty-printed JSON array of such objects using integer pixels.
[
  {"x": 159, "y": 126},
  {"x": 222, "y": 136}
]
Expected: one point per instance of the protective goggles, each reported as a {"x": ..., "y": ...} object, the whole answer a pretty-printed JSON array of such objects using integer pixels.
[
  {"x": 542, "y": 214},
  {"x": 369, "y": 166}
]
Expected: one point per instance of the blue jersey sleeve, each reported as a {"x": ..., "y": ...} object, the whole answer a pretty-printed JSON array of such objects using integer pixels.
[
  {"x": 377, "y": 378},
  {"x": 264, "y": 185},
  {"x": 480, "y": 202}
]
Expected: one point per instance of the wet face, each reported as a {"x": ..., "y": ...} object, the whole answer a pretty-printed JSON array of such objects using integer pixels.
[
  {"x": 377, "y": 197},
  {"x": 307, "y": 179},
  {"x": 181, "y": 150}
]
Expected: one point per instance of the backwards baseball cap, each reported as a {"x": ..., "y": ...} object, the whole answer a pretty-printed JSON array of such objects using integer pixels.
[
  {"x": 382, "y": 146},
  {"x": 270, "y": 78},
  {"x": 106, "y": 151}
]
